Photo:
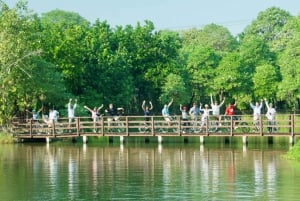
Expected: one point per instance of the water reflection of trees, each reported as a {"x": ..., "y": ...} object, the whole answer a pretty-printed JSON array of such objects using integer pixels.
[{"x": 115, "y": 172}]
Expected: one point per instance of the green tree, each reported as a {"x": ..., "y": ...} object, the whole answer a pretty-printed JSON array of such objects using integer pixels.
[
  {"x": 202, "y": 51},
  {"x": 107, "y": 77},
  {"x": 63, "y": 17},
  {"x": 228, "y": 79},
  {"x": 22, "y": 85},
  {"x": 64, "y": 45},
  {"x": 266, "y": 79},
  {"x": 268, "y": 25},
  {"x": 253, "y": 52},
  {"x": 176, "y": 89},
  {"x": 215, "y": 36},
  {"x": 150, "y": 56},
  {"x": 289, "y": 62},
  {"x": 201, "y": 64}
]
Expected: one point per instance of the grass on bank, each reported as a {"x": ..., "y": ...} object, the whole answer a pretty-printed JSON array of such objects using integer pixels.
[
  {"x": 6, "y": 138},
  {"x": 294, "y": 152}
]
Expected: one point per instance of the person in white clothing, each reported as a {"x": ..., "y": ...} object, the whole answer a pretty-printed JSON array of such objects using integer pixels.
[
  {"x": 256, "y": 113},
  {"x": 52, "y": 118},
  {"x": 166, "y": 113},
  {"x": 53, "y": 115},
  {"x": 205, "y": 114},
  {"x": 216, "y": 108},
  {"x": 71, "y": 111},
  {"x": 270, "y": 116}
]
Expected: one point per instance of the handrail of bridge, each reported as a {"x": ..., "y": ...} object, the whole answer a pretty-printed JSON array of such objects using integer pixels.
[{"x": 285, "y": 125}]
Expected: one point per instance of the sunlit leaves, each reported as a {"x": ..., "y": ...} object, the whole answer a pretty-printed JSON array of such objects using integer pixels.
[
  {"x": 265, "y": 79},
  {"x": 175, "y": 88},
  {"x": 289, "y": 61}
]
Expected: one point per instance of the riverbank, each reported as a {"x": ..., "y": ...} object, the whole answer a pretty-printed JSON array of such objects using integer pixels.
[
  {"x": 294, "y": 152},
  {"x": 6, "y": 138}
]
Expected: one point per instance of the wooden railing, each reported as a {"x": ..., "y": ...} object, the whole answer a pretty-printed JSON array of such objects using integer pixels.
[{"x": 285, "y": 125}]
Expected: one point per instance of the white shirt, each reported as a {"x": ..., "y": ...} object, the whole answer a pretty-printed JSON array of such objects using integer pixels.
[
  {"x": 256, "y": 109},
  {"x": 215, "y": 109},
  {"x": 270, "y": 113},
  {"x": 71, "y": 111},
  {"x": 53, "y": 115}
]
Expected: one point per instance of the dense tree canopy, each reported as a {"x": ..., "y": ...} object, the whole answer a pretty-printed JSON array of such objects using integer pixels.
[{"x": 47, "y": 59}]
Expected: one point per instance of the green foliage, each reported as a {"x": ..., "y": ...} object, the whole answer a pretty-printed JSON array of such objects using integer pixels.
[
  {"x": 214, "y": 36},
  {"x": 62, "y": 17},
  {"x": 174, "y": 88},
  {"x": 290, "y": 70},
  {"x": 228, "y": 78},
  {"x": 19, "y": 36},
  {"x": 268, "y": 25},
  {"x": 6, "y": 138},
  {"x": 265, "y": 81},
  {"x": 294, "y": 152},
  {"x": 46, "y": 60},
  {"x": 64, "y": 46}
]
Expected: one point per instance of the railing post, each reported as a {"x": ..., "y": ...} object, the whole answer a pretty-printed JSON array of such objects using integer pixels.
[
  {"x": 102, "y": 125},
  {"x": 292, "y": 125},
  {"x": 231, "y": 125},
  {"x": 30, "y": 127},
  {"x": 260, "y": 126},
  {"x": 179, "y": 125},
  {"x": 206, "y": 125},
  {"x": 152, "y": 125},
  {"x": 53, "y": 128},
  {"x": 127, "y": 126},
  {"x": 77, "y": 125},
  {"x": 292, "y": 128}
]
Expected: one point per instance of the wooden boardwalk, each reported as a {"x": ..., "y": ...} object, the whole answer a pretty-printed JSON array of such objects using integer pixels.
[{"x": 136, "y": 126}]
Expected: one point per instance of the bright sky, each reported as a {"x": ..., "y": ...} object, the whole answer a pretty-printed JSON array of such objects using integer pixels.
[{"x": 167, "y": 14}]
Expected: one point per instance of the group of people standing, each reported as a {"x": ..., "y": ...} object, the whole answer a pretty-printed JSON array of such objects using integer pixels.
[
  {"x": 196, "y": 111},
  {"x": 257, "y": 114},
  {"x": 193, "y": 113}
]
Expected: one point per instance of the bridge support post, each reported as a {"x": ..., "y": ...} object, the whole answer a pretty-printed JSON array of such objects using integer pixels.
[
  {"x": 159, "y": 138},
  {"x": 244, "y": 148},
  {"x": 159, "y": 148},
  {"x": 84, "y": 139},
  {"x": 122, "y": 139},
  {"x": 245, "y": 139},
  {"x": 291, "y": 139},
  {"x": 201, "y": 148},
  {"x": 48, "y": 140},
  {"x": 201, "y": 139}
]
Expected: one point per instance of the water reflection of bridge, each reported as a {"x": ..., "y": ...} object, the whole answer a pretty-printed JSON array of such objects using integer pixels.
[{"x": 136, "y": 126}]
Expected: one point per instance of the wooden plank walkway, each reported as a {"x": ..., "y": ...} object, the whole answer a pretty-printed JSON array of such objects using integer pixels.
[{"x": 133, "y": 126}]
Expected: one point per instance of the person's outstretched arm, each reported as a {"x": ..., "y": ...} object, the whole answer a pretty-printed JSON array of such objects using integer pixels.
[
  {"x": 89, "y": 109},
  {"x": 151, "y": 106},
  {"x": 223, "y": 101},
  {"x": 143, "y": 105},
  {"x": 170, "y": 103}
]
